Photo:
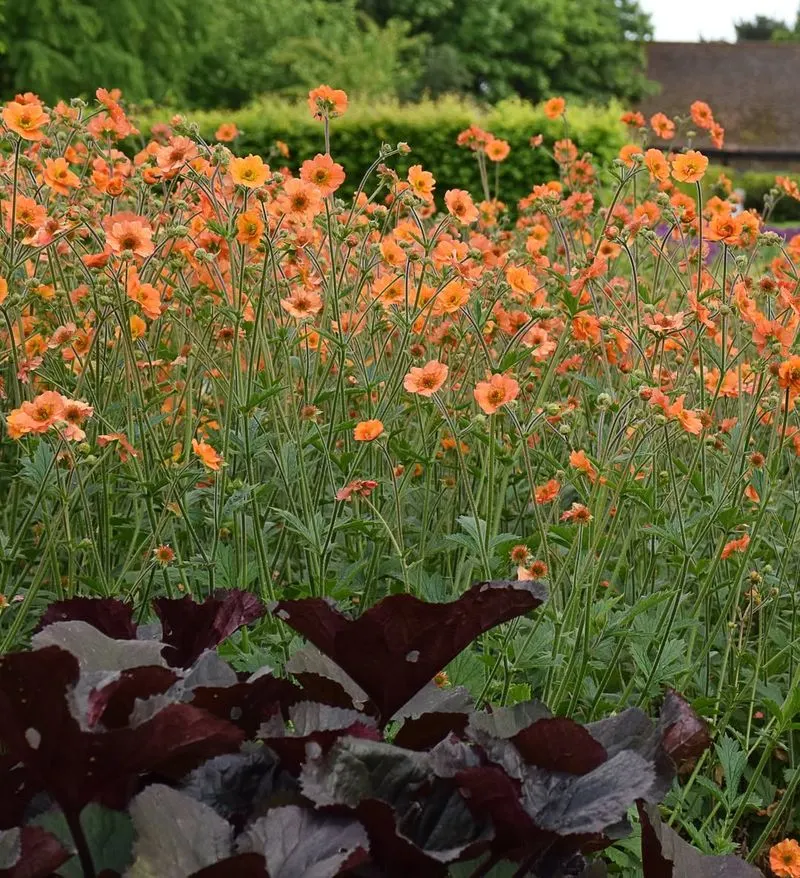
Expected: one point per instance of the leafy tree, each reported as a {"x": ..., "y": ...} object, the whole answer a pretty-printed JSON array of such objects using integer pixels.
[{"x": 762, "y": 27}]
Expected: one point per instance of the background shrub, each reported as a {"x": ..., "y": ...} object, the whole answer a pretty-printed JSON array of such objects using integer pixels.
[{"x": 429, "y": 127}]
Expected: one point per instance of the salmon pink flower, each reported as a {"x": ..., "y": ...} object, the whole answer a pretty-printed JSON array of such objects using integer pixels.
[
  {"x": 366, "y": 431},
  {"x": 128, "y": 231},
  {"x": 426, "y": 380},
  {"x": 497, "y": 391}
]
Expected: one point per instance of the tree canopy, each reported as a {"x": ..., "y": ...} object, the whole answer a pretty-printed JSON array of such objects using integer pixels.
[{"x": 205, "y": 53}]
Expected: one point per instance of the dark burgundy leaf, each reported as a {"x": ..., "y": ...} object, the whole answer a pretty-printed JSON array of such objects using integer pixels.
[
  {"x": 324, "y": 681},
  {"x": 666, "y": 855},
  {"x": 560, "y": 744},
  {"x": 297, "y": 843},
  {"x": 97, "y": 653},
  {"x": 109, "y": 615},
  {"x": 18, "y": 789},
  {"x": 431, "y": 715},
  {"x": 240, "y": 866},
  {"x": 191, "y": 628},
  {"x": 111, "y": 703},
  {"x": 505, "y": 722},
  {"x": 76, "y": 766},
  {"x": 684, "y": 735},
  {"x": 396, "y": 647},
  {"x": 250, "y": 703},
  {"x": 30, "y": 852}
]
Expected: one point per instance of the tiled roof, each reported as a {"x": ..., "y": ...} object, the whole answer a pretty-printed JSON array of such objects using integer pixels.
[{"x": 752, "y": 88}]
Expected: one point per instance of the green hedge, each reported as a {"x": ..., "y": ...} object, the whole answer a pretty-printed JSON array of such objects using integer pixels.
[{"x": 430, "y": 128}]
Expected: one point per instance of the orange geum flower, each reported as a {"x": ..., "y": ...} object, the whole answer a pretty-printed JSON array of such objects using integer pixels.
[
  {"x": 326, "y": 102},
  {"x": 578, "y": 513},
  {"x": 789, "y": 376},
  {"x": 25, "y": 119},
  {"x": 732, "y": 546},
  {"x": 3, "y": 290},
  {"x": 126, "y": 450},
  {"x": 628, "y": 153},
  {"x": 547, "y": 492},
  {"x": 302, "y": 304},
  {"x": 73, "y": 414},
  {"x": 37, "y": 416},
  {"x": 784, "y": 859},
  {"x": 497, "y": 150},
  {"x": 689, "y": 420},
  {"x": 146, "y": 296},
  {"x": 460, "y": 205},
  {"x": 177, "y": 153},
  {"x": 226, "y": 132},
  {"x": 555, "y": 107},
  {"x": 323, "y": 172},
  {"x": 449, "y": 300},
  {"x": 59, "y": 177},
  {"x": 725, "y": 228},
  {"x": 300, "y": 201},
  {"x": 250, "y": 228},
  {"x": 689, "y": 167},
  {"x": 497, "y": 391},
  {"x": 701, "y": 114},
  {"x": 426, "y": 380},
  {"x": 422, "y": 182},
  {"x": 249, "y": 171},
  {"x": 579, "y": 461},
  {"x": 520, "y": 280},
  {"x": 662, "y": 126},
  {"x": 366, "y": 431},
  {"x": 656, "y": 162},
  {"x": 128, "y": 231},
  {"x": 209, "y": 456}
]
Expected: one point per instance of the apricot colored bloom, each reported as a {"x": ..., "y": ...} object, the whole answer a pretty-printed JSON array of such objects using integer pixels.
[
  {"x": 37, "y": 416},
  {"x": 421, "y": 182},
  {"x": 249, "y": 228},
  {"x": 302, "y": 304},
  {"x": 739, "y": 545},
  {"x": 497, "y": 150},
  {"x": 3, "y": 290},
  {"x": 789, "y": 376},
  {"x": 366, "y": 431},
  {"x": 689, "y": 167},
  {"x": 725, "y": 228},
  {"x": 326, "y": 102},
  {"x": 449, "y": 300},
  {"x": 555, "y": 107},
  {"x": 175, "y": 154},
  {"x": 689, "y": 420},
  {"x": 656, "y": 162},
  {"x": 210, "y": 458},
  {"x": 634, "y": 119},
  {"x": 498, "y": 391},
  {"x": 701, "y": 114},
  {"x": 361, "y": 487},
  {"x": 25, "y": 119},
  {"x": 138, "y": 327},
  {"x": 662, "y": 126},
  {"x": 226, "y": 132},
  {"x": 578, "y": 513},
  {"x": 547, "y": 492},
  {"x": 126, "y": 450},
  {"x": 73, "y": 414},
  {"x": 426, "y": 380},
  {"x": 300, "y": 201},
  {"x": 146, "y": 296},
  {"x": 59, "y": 177},
  {"x": 460, "y": 205},
  {"x": 628, "y": 152},
  {"x": 249, "y": 171},
  {"x": 520, "y": 279},
  {"x": 128, "y": 231},
  {"x": 717, "y": 135},
  {"x": 323, "y": 172},
  {"x": 579, "y": 461},
  {"x": 784, "y": 859}
]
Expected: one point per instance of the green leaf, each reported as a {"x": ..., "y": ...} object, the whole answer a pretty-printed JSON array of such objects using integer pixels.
[{"x": 733, "y": 760}]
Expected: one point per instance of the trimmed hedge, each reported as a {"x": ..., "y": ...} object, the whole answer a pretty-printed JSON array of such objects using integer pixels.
[{"x": 430, "y": 128}]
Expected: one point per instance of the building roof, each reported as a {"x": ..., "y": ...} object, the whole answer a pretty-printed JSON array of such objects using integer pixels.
[{"x": 752, "y": 88}]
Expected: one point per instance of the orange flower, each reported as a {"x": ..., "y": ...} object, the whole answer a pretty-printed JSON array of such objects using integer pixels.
[
  {"x": 627, "y": 153},
  {"x": 547, "y": 492},
  {"x": 421, "y": 182},
  {"x": 520, "y": 280},
  {"x": 250, "y": 228},
  {"x": 577, "y": 513},
  {"x": 300, "y": 201},
  {"x": 128, "y": 231},
  {"x": 426, "y": 380},
  {"x": 784, "y": 859},
  {"x": 460, "y": 205},
  {"x": 689, "y": 167},
  {"x": 454, "y": 296},
  {"x": 326, "y": 102},
  {"x": 177, "y": 153},
  {"x": 208, "y": 455},
  {"x": 725, "y": 228},
  {"x": 579, "y": 461},
  {"x": 145, "y": 295},
  {"x": 662, "y": 126},
  {"x": 37, "y": 416},
  {"x": 73, "y": 414},
  {"x": 226, "y": 132},
  {"x": 688, "y": 419},
  {"x": 302, "y": 304},
  {"x": 739, "y": 545},
  {"x": 366, "y": 431},
  {"x": 138, "y": 327},
  {"x": 497, "y": 150},
  {"x": 323, "y": 172},
  {"x": 498, "y": 391},
  {"x": 656, "y": 163},
  {"x": 126, "y": 450},
  {"x": 58, "y": 176},
  {"x": 789, "y": 376},
  {"x": 250, "y": 171},
  {"x": 555, "y": 107},
  {"x": 25, "y": 119},
  {"x": 3, "y": 290},
  {"x": 701, "y": 114}
]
